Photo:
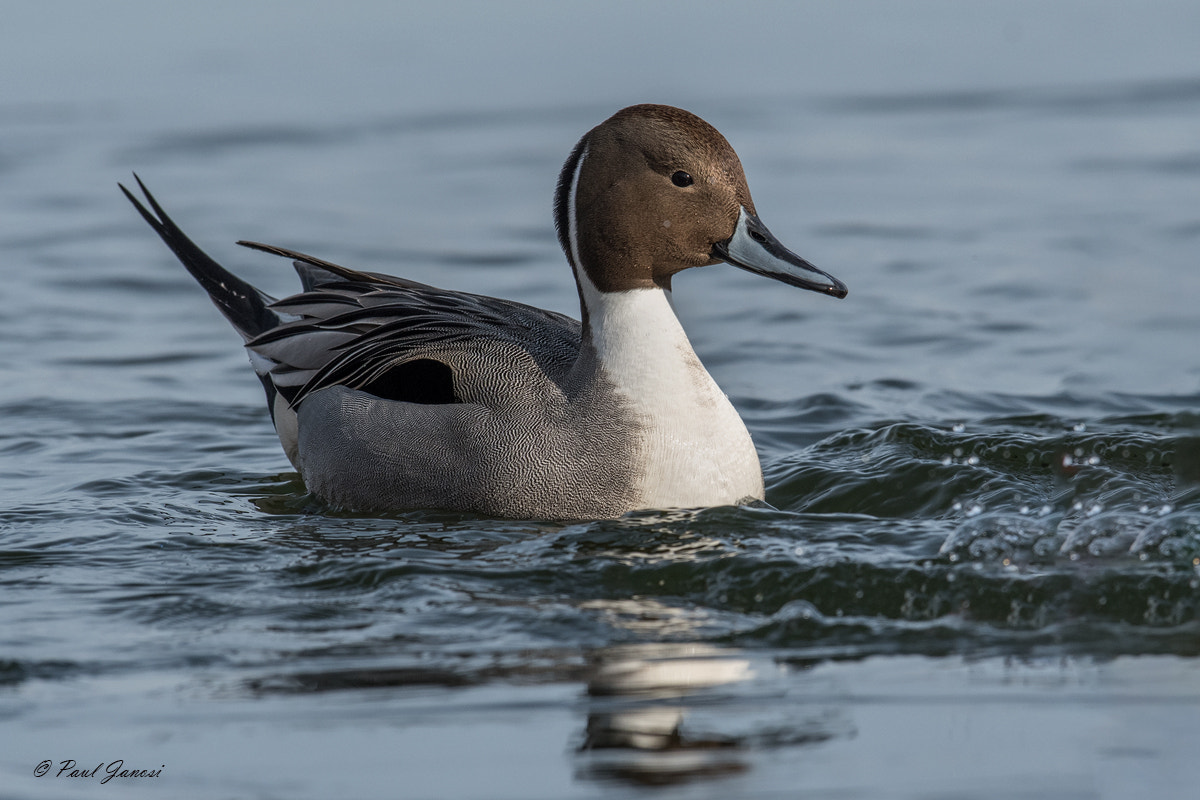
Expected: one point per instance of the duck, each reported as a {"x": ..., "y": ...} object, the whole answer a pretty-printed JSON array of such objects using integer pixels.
[{"x": 391, "y": 395}]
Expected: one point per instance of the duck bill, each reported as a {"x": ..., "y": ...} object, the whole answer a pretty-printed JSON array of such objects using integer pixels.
[{"x": 752, "y": 247}]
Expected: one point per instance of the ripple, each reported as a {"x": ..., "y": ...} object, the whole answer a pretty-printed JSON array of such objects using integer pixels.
[{"x": 1130, "y": 97}]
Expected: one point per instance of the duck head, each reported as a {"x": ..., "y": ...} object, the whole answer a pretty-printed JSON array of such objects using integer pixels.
[{"x": 654, "y": 190}]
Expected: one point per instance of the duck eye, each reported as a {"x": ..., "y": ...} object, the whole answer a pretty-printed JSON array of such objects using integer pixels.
[{"x": 681, "y": 179}]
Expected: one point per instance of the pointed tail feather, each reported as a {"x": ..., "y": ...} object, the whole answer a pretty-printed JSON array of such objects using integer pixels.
[{"x": 244, "y": 306}]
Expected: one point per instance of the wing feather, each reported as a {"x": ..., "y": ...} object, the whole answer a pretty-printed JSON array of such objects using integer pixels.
[{"x": 351, "y": 328}]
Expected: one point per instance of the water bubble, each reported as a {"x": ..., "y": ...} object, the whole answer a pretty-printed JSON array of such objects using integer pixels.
[
  {"x": 1166, "y": 509},
  {"x": 947, "y": 461},
  {"x": 797, "y": 609},
  {"x": 958, "y": 427},
  {"x": 1079, "y": 427},
  {"x": 1093, "y": 460},
  {"x": 1079, "y": 452},
  {"x": 799, "y": 550},
  {"x": 958, "y": 451},
  {"x": 973, "y": 460}
]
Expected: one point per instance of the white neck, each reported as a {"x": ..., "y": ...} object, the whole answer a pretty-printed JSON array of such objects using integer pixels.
[{"x": 695, "y": 449}]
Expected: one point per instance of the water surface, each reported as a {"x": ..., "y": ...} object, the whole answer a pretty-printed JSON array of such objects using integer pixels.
[{"x": 978, "y": 574}]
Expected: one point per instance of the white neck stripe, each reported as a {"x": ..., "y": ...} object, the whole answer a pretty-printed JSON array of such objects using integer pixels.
[{"x": 572, "y": 218}]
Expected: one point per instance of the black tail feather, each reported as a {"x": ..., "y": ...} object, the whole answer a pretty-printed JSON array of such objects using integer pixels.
[{"x": 244, "y": 306}]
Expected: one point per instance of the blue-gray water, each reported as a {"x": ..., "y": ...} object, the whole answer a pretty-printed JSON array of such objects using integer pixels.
[{"x": 980, "y": 577}]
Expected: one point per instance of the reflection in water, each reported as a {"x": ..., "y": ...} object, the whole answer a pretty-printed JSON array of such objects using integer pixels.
[
  {"x": 636, "y": 726},
  {"x": 655, "y": 715}
]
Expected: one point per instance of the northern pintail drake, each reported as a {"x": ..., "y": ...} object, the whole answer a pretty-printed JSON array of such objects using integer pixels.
[{"x": 389, "y": 394}]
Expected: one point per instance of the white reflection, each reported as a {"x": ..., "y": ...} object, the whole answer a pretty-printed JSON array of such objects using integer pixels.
[{"x": 637, "y": 732}]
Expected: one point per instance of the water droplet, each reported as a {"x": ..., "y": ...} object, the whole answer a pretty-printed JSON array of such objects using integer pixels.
[
  {"x": 1079, "y": 427},
  {"x": 799, "y": 551},
  {"x": 958, "y": 427},
  {"x": 973, "y": 460},
  {"x": 958, "y": 451},
  {"x": 1079, "y": 452},
  {"x": 947, "y": 461},
  {"x": 1167, "y": 509},
  {"x": 1093, "y": 460}
]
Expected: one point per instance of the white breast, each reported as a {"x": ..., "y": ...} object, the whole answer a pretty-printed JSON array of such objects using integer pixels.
[{"x": 695, "y": 449}]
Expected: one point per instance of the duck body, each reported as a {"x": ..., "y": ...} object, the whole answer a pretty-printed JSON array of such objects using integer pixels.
[{"x": 388, "y": 394}]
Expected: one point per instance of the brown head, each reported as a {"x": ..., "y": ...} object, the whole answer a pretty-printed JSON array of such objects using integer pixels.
[{"x": 654, "y": 190}]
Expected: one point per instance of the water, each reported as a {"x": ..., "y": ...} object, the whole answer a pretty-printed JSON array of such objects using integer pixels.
[{"x": 980, "y": 574}]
